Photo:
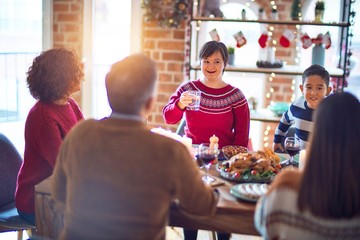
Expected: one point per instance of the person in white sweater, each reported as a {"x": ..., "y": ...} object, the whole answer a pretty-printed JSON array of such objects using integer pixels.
[{"x": 323, "y": 200}]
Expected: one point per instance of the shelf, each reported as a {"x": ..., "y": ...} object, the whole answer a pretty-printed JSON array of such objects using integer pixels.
[
  {"x": 313, "y": 23},
  {"x": 285, "y": 70}
]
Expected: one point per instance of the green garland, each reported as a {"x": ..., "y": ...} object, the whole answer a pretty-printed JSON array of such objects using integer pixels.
[{"x": 167, "y": 13}]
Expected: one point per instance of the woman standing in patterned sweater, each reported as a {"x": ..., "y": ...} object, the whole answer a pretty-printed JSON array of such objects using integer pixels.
[{"x": 224, "y": 110}]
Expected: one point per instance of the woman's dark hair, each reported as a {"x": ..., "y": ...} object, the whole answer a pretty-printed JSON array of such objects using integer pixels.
[
  {"x": 53, "y": 74},
  {"x": 211, "y": 47},
  {"x": 330, "y": 186}
]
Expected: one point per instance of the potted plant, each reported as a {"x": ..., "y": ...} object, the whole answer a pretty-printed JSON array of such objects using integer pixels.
[
  {"x": 319, "y": 11},
  {"x": 231, "y": 51}
]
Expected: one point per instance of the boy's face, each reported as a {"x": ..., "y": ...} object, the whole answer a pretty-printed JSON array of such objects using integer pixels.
[{"x": 314, "y": 90}]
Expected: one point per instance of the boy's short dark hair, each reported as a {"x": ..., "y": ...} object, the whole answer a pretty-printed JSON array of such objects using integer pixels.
[{"x": 316, "y": 70}]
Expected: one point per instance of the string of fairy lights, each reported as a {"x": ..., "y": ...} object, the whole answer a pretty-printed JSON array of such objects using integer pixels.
[{"x": 272, "y": 76}]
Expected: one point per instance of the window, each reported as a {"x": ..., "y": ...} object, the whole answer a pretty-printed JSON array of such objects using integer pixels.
[
  {"x": 114, "y": 30},
  {"x": 21, "y": 39}
]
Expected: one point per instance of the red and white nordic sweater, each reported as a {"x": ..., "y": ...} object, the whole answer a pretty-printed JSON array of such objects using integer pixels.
[{"x": 223, "y": 112}]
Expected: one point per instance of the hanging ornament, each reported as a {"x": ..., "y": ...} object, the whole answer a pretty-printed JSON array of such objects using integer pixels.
[
  {"x": 320, "y": 39},
  {"x": 214, "y": 35},
  {"x": 305, "y": 40},
  {"x": 263, "y": 39},
  {"x": 240, "y": 39},
  {"x": 286, "y": 38},
  {"x": 327, "y": 40}
]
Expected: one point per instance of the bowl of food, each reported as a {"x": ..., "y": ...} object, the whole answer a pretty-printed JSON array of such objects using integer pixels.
[{"x": 231, "y": 150}]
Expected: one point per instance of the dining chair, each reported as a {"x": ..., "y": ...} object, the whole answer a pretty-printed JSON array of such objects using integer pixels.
[
  {"x": 10, "y": 162},
  {"x": 180, "y": 129}
]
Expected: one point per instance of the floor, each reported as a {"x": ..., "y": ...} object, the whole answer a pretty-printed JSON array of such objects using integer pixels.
[{"x": 171, "y": 234}]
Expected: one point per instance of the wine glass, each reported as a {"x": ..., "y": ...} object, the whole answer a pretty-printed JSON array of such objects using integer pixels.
[
  {"x": 292, "y": 147},
  {"x": 207, "y": 155}
]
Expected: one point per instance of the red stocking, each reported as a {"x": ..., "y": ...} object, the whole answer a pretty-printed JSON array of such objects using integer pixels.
[
  {"x": 286, "y": 38},
  {"x": 263, "y": 39}
]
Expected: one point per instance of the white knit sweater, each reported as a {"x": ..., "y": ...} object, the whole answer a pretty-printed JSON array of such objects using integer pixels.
[{"x": 277, "y": 217}]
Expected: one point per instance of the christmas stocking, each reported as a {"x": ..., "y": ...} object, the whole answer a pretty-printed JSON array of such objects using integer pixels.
[
  {"x": 327, "y": 40},
  {"x": 263, "y": 39},
  {"x": 240, "y": 39},
  {"x": 286, "y": 38},
  {"x": 214, "y": 35},
  {"x": 306, "y": 41}
]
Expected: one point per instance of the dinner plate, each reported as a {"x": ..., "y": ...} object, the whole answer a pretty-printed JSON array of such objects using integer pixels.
[{"x": 249, "y": 191}]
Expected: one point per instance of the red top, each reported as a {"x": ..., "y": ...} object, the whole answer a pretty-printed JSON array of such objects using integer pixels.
[
  {"x": 46, "y": 126},
  {"x": 223, "y": 112}
]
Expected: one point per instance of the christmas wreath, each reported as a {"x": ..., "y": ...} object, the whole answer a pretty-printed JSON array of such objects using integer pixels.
[{"x": 167, "y": 13}]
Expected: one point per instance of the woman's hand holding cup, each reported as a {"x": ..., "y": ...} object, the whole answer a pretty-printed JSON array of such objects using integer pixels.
[{"x": 190, "y": 100}]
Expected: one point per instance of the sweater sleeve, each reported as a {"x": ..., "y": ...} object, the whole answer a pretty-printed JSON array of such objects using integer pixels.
[
  {"x": 172, "y": 114},
  {"x": 285, "y": 122},
  {"x": 242, "y": 124},
  {"x": 260, "y": 217}
]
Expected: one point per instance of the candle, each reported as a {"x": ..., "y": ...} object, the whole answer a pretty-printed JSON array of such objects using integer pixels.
[
  {"x": 271, "y": 55},
  {"x": 302, "y": 157},
  {"x": 214, "y": 141}
]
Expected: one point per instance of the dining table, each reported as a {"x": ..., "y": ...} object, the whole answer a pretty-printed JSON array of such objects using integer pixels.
[{"x": 233, "y": 215}]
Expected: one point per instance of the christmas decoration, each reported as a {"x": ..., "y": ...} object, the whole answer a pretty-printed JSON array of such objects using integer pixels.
[
  {"x": 214, "y": 35},
  {"x": 263, "y": 39},
  {"x": 286, "y": 38},
  {"x": 296, "y": 10},
  {"x": 167, "y": 13},
  {"x": 306, "y": 41},
  {"x": 240, "y": 39},
  {"x": 320, "y": 39},
  {"x": 319, "y": 11},
  {"x": 327, "y": 40}
]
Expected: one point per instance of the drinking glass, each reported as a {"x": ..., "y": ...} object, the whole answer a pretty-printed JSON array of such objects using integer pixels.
[
  {"x": 196, "y": 96},
  {"x": 292, "y": 147},
  {"x": 207, "y": 155}
]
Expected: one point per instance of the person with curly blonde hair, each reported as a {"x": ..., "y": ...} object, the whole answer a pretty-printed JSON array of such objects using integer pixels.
[{"x": 53, "y": 76}]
